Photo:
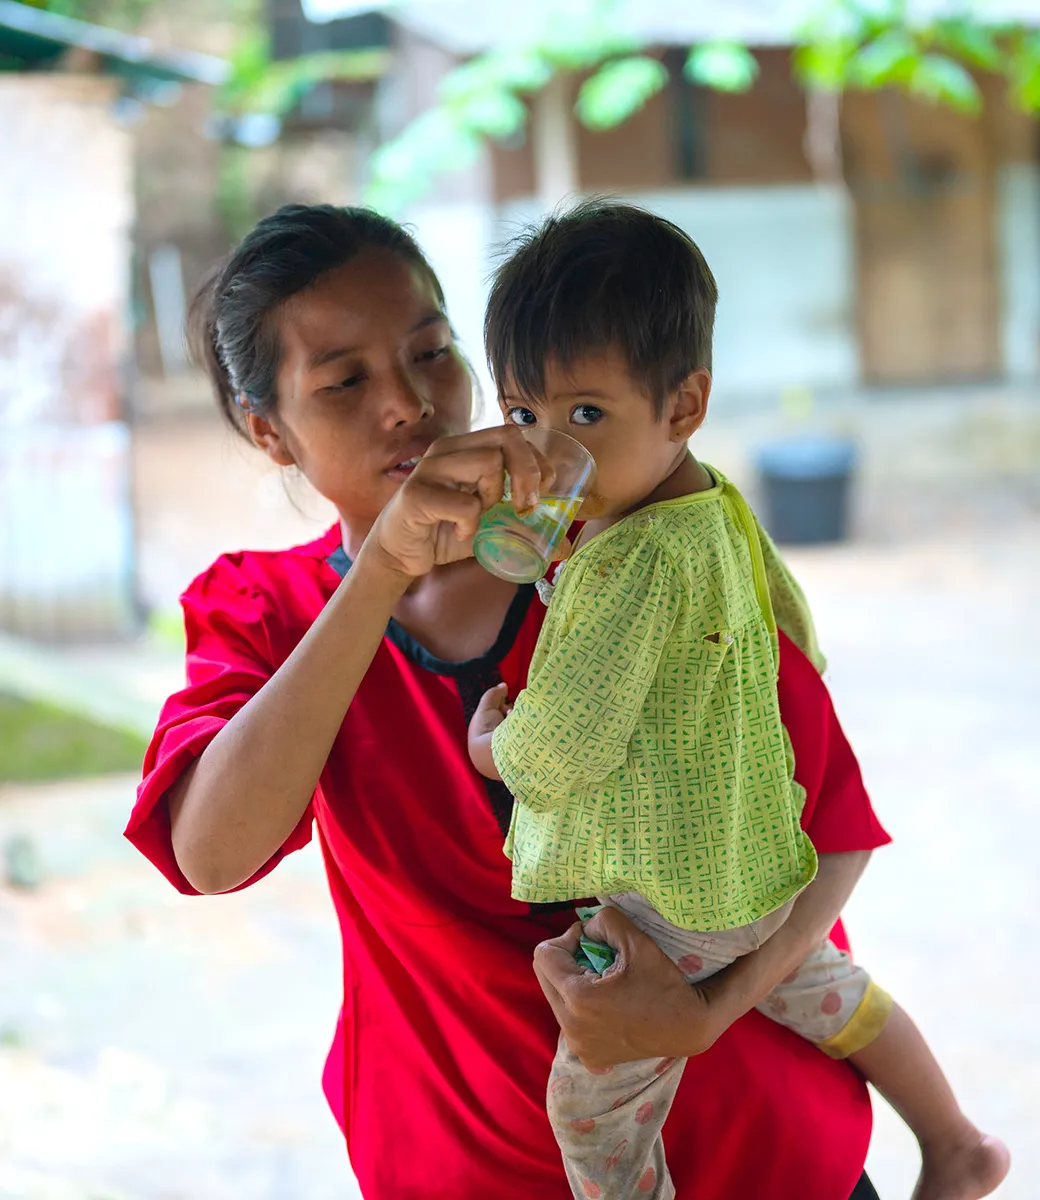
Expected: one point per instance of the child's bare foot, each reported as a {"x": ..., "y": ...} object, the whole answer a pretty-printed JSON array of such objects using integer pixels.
[{"x": 967, "y": 1168}]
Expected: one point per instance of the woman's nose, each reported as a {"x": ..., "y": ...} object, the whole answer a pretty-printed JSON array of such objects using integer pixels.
[{"x": 404, "y": 404}]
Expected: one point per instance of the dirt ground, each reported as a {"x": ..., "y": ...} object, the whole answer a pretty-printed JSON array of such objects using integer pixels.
[{"x": 159, "y": 1048}]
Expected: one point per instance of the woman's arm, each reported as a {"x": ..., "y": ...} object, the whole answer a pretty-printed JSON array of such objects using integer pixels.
[
  {"x": 644, "y": 1008},
  {"x": 240, "y": 800},
  {"x": 750, "y": 979},
  {"x": 236, "y": 805}
]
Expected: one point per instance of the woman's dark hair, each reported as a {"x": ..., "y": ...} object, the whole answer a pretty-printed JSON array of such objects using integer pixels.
[
  {"x": 231, "y": 330},
  {"x": 603, "y": 275}
]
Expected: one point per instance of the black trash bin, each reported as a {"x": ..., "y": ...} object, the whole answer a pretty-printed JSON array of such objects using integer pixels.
[{"x": 805, "y": 483}]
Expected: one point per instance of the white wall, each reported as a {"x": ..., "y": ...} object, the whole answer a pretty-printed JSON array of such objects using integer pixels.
[
  {"x": 65, "y": 213},
  {"x": 1018, "y": 231},
  {"x": 456, "y": 238},
  {"x": 783, "y": 257},
  {"x": 66, "y": 205}
]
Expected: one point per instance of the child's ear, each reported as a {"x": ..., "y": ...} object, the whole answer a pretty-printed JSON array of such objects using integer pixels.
[
  {"x": 689, "y": 405},
  {"x": 267, "y": 437}
]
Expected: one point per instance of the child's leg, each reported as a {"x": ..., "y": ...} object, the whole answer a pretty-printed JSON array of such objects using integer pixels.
[
  {"x": 835, "y": 1004},
  {"x": 608, "y": 1125},
  {"x": 958, "y": 1161}
]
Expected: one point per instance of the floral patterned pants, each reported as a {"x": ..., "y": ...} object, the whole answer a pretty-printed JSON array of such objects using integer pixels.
[{"x": 608, "y": 1123}]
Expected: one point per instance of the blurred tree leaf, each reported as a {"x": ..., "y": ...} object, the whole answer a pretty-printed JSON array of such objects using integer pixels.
[
  {"x": 619, "y": 89},
  {"x": 975, "y": 44},
  {"x": 847, "y": 44},
  {"x": 724, "y": 66},
  {"x": 256, "y": 84},
  {"x": 401, "y": 168},
  {"x": 519, "y": 70},
  {"x": 824, "y": 64},
  {"x": 117, "y": 14},
  {"x": 943, "y": 81},
  {"x": 890, "y": 58},
  {"x": 1024, "y": 70},
  {"x": 583, "y": 33}
]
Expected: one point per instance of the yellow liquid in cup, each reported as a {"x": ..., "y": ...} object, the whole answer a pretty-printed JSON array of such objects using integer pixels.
[{"x": 521, "y": 546}]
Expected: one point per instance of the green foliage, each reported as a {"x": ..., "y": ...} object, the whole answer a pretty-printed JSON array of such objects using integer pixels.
[
  {"x": 257, "y": 84},
  {"x": 234, "y": 193},
  {"x": 850, "y": 44},
  {"x": 722, "y": 66},
  {"x": 889, "y": 58},
  {"x": 38, "y": 741},
  {"x": 943, "y": 81},
  {"x": 117, "y": 14},
  {"x": 1023, "y": 69},
  {"x": 977, "y": 45},
  {"x": 619, "y": 89}
]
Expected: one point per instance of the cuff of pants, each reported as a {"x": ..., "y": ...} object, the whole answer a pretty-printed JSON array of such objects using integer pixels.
[{"x": 863, "y": 1026}]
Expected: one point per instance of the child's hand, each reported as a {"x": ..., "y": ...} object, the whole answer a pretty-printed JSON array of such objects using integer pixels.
[{"x": 492, "y": 710}]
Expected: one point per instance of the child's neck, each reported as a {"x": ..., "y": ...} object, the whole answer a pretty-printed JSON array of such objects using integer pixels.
[{"x": 686, "y": 477}]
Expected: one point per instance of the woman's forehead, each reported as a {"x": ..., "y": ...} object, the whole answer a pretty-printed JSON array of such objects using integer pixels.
[{"x": 375, "y": 296}]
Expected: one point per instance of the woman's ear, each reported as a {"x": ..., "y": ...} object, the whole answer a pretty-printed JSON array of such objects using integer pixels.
[
  {"x": 689, "y": 405},
  {"x": 267, "y": 437}
]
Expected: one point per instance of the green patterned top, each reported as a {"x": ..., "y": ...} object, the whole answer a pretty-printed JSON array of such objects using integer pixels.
[{"x": 647, "y": 753}]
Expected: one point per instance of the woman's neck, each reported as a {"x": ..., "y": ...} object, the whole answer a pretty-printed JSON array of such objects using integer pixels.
[{"x": 456, "y": 612}]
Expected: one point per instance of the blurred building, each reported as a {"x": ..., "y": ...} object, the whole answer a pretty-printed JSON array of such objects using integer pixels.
[
  {"x": 67, "y": 90},
  {"x": 890, "y": 242}
]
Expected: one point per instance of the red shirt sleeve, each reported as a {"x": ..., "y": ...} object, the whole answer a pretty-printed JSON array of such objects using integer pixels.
[
  {"x": 838, "y": 815},
  {"x": 229, "y": 659}
]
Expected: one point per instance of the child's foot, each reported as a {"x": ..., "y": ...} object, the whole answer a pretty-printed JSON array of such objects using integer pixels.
[{"x": 967, "y": 1168}]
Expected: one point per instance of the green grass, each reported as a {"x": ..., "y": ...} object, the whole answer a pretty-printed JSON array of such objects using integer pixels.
[{"x": 39, "y": 741}]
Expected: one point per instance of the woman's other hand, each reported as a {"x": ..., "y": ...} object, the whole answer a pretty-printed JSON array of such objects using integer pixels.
[
  {"x": 641, "y": 1007},
  {"x": 433, "y": 517}
]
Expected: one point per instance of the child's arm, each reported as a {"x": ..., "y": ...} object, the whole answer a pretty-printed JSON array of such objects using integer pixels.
[
  {"x": 573, "y": 723},
  {"x": 491, "y": 712}
]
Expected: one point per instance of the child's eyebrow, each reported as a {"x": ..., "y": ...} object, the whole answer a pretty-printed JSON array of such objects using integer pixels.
[{"x": 585, "y": 393}]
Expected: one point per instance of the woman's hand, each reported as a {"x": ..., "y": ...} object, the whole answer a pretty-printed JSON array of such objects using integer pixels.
[
  {"x": 433, "y": 517},
  {"x": 642, "y": 1007}
]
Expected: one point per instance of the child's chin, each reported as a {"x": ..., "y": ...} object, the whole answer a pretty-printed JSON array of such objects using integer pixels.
[{"x": 592, "y": 508}]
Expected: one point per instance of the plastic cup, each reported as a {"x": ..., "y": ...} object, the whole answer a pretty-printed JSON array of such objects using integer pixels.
[{"x": 521, "y": 546}]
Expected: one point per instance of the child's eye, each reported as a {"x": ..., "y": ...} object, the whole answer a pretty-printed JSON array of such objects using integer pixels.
[
  {"x": 521, "y": 416},
  {"x": 586, "y": 414}
]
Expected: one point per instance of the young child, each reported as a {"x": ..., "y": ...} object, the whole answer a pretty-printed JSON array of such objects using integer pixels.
[{"x": 646, "y": 755}]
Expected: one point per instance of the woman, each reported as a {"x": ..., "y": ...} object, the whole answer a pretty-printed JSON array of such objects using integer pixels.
[{"x": 331, "y": 684}]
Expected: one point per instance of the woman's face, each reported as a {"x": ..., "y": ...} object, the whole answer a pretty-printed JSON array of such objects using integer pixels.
[{"x": 369, "y": 378}]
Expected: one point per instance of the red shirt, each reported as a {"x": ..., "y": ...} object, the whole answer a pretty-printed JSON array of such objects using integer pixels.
[{"x": 438, "y": 1070}]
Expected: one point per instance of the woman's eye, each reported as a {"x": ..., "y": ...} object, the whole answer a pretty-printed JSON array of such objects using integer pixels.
[
  {"x": 434, "y": 355},
  {"x": 586, "y": 414},
  {"x": 521, "y": 416},
  {"x": 351, "y": 381}
]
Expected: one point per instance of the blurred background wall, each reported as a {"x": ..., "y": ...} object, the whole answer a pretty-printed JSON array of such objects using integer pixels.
[{"x": 865, "y": 183}]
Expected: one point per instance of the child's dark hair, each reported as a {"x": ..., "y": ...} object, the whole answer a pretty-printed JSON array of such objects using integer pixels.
[
  {"x": 603, "y": 275},
  {"x": 231, "y": 331}
]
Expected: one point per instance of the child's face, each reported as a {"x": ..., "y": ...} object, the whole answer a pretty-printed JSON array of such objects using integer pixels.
[{"x": 598, "y": 403}]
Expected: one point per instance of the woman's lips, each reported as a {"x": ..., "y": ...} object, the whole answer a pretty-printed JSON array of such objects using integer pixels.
[{"x": 403, "y": 469}]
